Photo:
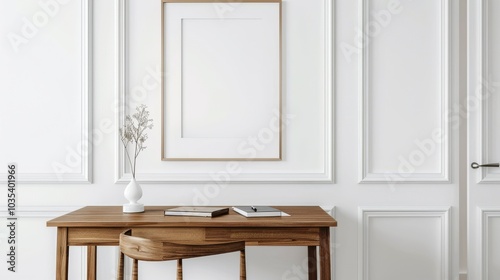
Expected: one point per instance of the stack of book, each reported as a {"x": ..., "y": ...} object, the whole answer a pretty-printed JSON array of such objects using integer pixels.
[{"x": 197, "y": 211}]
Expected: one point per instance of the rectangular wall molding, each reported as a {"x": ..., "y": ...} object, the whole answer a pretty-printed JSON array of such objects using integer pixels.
[
  {"x": 84, "y": 147},
  {"x": 486, "y": 216},
  {"x": 372, "y": 221},
  {"x": 122, "y": 175},
  {"x": 411, "y": 174},
  {"x": 485, "y": 85}
]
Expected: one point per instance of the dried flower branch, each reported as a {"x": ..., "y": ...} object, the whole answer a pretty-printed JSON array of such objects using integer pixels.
[{"x": 132, "y": 132}]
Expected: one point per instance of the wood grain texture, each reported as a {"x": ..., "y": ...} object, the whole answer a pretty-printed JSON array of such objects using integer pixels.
[
  {"x": 179, "y": 269},
  {"x": 243, "y": 265},
  {"x": 144, "y": 249},
  {"x": 102, "y": 225},
  {"x": 94, "y": 236},
  {"x": 135, "y": 270},
  {"x": 266, "y": 236},
  {"x": 91, "y": 262},
  {"x": 252, "y": 236},
  {"x": 62, "y": 254},
  {"x": 324, "y": 254},
  {"x": 112, "y": 216},
  {"x": 121, "y": 267},
  {"x": 312, "y": 263}
]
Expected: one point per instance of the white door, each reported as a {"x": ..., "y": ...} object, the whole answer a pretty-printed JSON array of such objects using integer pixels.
[{"x": 484, "y": 140}]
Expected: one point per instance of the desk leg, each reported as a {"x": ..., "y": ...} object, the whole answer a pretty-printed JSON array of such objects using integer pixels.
[
  {"x": 312, "y": 263},
  {"x": 91, "y": 262},
  {"x": 62, "y": 254},
  {"x": 324, "y": 253}
]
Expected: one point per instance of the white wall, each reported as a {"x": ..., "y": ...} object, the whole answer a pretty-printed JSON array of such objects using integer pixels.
[{"x": 43, "y": 110}]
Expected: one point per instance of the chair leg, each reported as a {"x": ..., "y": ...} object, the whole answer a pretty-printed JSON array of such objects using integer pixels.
[
  {"x": 120, "y": 267},
  {"x": 135, "y": 271},
  {"x": 179, "y": 269},
  {"x": 243, "y": 266}
]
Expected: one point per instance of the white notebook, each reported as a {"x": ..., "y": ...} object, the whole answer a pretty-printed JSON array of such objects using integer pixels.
[{"x": 257, "y": 211}]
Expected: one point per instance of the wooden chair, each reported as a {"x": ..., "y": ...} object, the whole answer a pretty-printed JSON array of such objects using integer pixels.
[{"x": 144, "y": 249}]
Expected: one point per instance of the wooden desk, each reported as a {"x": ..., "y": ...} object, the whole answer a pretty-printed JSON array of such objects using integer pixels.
[{"x": 93, "y": 226}]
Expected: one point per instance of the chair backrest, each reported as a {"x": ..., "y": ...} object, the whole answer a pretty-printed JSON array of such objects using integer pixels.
[{"x": 143, "y": 249}]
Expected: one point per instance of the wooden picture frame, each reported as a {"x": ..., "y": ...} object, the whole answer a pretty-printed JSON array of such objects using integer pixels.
[{"x": 221, "y": 82}]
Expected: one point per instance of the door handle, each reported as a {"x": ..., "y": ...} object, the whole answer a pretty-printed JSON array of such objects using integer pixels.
[{"x": 476, "y": 165}]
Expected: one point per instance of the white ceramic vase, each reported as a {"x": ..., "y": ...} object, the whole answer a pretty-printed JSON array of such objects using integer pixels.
[{"x": 133, "y": 192}]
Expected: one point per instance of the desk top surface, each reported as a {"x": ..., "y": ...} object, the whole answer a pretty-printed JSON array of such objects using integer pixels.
[{"x": 112, "y": 216}]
